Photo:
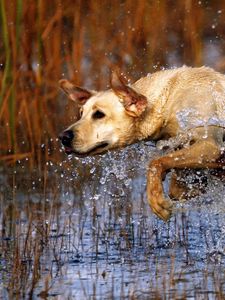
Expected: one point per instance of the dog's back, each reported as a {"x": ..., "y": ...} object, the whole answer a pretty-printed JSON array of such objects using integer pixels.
[{"x": 187, "y": 98}]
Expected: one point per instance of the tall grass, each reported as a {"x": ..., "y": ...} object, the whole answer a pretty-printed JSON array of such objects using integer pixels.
[
  {"x": 7, "y": 75},
  {"x": 42, "y": 41}
]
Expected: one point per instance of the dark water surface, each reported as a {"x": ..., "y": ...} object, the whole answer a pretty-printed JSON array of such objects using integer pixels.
[{"x": 82, "y": 229}]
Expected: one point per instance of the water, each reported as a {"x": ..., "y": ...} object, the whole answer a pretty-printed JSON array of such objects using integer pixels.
[{"x": 83, "y": 229}]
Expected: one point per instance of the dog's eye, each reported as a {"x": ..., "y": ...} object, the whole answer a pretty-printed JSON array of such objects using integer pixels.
[
  {"x": 81, "y": 112},
  {"x": 98, "y": 115}
]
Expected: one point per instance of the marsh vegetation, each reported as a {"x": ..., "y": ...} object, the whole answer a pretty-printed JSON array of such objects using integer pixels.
[{"x": 81, "y": 228}]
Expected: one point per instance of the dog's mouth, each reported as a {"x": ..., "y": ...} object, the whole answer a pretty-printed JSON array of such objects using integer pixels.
[
  {"x": 68, "y": 150},
  {"x": 99, "y": 148}
]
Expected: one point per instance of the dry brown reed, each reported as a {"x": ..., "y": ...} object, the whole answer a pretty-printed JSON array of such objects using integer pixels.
[{"x": 42, "y": 41}]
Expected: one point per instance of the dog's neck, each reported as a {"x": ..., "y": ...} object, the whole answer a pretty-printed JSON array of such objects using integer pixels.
[
  {"x": 149, "y": 125},
  {"x": 156, "y": 88}
]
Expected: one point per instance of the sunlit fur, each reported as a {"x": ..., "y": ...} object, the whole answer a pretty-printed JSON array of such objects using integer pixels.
[
  {"x": 116, "y": 128},
  {"x": 168, "y": 92},
  {"x": 185, "y": 111}
]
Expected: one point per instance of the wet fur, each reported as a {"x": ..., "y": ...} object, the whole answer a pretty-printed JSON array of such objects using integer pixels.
[{"x": 172, "y": 107}]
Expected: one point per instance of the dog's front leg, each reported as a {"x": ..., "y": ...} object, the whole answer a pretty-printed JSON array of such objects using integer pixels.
[
  {"x": 159, "y": 205},
  {"x": 202, "y": 154}
]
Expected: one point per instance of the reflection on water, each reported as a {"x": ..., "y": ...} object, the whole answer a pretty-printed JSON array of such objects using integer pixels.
[{"x": 82, "y": 229}]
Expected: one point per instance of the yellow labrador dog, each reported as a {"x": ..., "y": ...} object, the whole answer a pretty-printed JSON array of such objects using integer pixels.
[{"x": 183, "y": 109}]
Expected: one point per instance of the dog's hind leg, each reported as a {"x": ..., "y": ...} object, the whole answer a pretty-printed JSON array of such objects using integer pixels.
[
  {"x": 202, "y": 154},
  {"x": 180, "y": 189}
]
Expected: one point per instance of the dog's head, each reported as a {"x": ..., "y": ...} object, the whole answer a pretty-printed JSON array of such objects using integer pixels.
[{"x": 107, "y": 119}]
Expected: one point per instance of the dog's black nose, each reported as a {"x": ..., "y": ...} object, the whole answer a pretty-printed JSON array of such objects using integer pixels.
[{"x": 66, "y": 137}]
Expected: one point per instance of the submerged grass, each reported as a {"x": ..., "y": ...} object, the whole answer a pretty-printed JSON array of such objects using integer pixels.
[
  {"x": 42, "y": 41},
  {"x": 69, "y": 237}
]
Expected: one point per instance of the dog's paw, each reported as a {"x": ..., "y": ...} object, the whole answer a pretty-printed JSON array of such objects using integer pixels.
[{"x": 162, "y": 208}]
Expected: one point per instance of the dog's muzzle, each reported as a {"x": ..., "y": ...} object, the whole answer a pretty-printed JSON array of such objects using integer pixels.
[{"x": 66, "y": 138}]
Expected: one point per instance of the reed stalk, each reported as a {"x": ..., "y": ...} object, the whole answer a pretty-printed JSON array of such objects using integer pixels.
[
  {"x": 43, "y": 41},
  {"x": 7, "y": 80},
  {"x": 19, "y": 13}
]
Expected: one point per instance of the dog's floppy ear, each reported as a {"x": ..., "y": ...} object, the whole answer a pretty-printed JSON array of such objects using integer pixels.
[
  {"x": 134, "y": 103},
  {"x": 75, "y": 93}
]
